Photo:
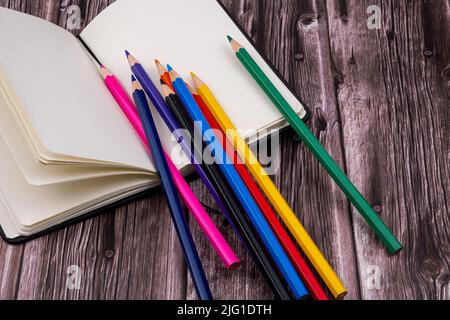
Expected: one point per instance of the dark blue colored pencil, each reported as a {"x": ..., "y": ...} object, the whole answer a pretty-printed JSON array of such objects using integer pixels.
[{"x": 172, "y": 196}]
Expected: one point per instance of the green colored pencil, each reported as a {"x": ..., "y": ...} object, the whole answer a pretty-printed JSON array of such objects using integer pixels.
[{"x": 355, "y": 197}]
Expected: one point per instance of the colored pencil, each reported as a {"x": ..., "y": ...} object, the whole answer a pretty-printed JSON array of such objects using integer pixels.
[
  {"x": 173, "y": 125},
  {"x": 248, "y": 237},
  {"x": 217, "y": 115},
  {"x": 379, "y": 227},
  {"x": 270, "y": 241},
  {"x": 163, "y": 73},
  {"x": 238, "y": 222},
  {"x": 203, "y": 219},
  {"x": 173, "y": 200},
  {"x": 302, "y": 267}
]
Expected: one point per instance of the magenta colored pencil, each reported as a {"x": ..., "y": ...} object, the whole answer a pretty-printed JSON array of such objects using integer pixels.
[{"x": 203, "y": 219}]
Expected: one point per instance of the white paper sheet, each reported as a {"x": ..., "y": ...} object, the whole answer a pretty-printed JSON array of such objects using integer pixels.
[
  {"x": 191, "y": 36},
  {"x": 62, "y": 95}
]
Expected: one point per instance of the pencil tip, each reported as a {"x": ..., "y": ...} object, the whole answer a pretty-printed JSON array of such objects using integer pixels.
[
  {"x": 135, "y": 85},
  {"x": 157, "y": 61},
  {"x": 127, "y": 53},
  {"x": 234, "y": 44},
  {"x": 173, "y": 74},
  {"x": 196, "y": 81},
  {"x": 105, "y": 72}
]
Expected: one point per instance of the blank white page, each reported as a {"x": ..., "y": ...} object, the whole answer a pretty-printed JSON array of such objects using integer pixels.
[
  {"x": 37, "y": 173},
  {"x": 191, "y": 36},
  {"x": 29, "y": 205},
  {"x": 60, "y": 92}
]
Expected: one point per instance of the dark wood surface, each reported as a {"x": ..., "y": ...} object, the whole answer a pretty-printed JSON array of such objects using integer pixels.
[{"x": 380, "y": 102}]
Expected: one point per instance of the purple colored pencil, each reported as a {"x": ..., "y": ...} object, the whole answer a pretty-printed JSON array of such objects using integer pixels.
[{"x": 173, "y": 125}]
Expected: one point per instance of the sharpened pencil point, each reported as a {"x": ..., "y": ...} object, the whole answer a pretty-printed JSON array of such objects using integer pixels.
[
  {"x": 135, "y": 85},
  {"x": 235, "y": 45},
  {"x": 127, "y": 53},
  {"x": 230, "y": 38},
  {"x": 169, "y": 68},
  {"x": 161, "y": 69},
  {"x": 196, "y": 81},
  {"x": 131, "y": 59},
  {"x": 173, "y": 75},
  {"x": 105, "y": 72}
]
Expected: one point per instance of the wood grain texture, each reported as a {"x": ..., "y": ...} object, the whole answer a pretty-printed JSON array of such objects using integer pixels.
[
  {"x": 10, "y": 270},
  {"x": 245, "y": 283},
  {"x": 394, "y": 103},
  {"x": 380, "y": 106},
  {"x": 133, "y": 253},
  {"x": 297, "y": 45},
  {"x": 288, "y": 32}
]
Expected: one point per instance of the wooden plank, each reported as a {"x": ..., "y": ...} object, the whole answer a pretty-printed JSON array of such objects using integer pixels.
[
  {"x": 89, "y": 10},
  {"x": 132, "y": 254},
  {"x": 296, "y": 41},
  {"x": 10, "y": 269},
  {"x": 354, "y": 79},
  {"x": 45, "y": 9},
  {"x": 393, "y": 98}
]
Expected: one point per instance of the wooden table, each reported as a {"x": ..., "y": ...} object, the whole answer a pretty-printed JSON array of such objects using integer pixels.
[{"x": 380, "y": 99}]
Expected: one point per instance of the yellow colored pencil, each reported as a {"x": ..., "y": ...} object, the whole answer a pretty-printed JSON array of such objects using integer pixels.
[{"x": 273, "y": 194}]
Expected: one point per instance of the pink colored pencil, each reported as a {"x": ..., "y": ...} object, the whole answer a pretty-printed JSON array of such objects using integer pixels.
[{"x": 203, "y": 219}]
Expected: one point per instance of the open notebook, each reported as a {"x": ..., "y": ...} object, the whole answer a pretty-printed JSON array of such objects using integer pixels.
[{"x": 66, "y": 149}]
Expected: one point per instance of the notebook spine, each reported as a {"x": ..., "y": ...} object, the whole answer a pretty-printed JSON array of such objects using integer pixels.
[{"x": 91, "y": 53}]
